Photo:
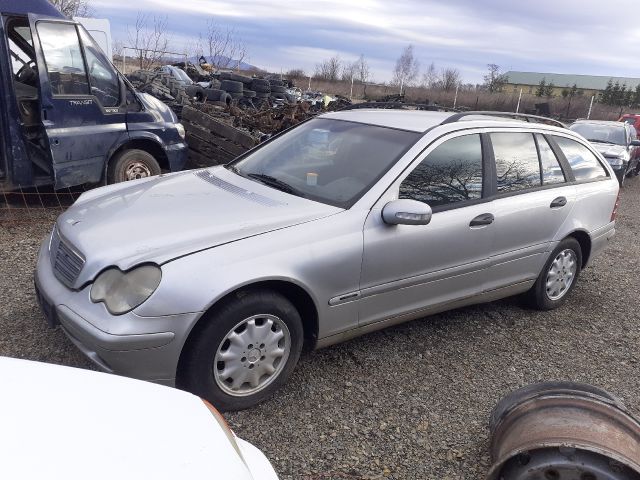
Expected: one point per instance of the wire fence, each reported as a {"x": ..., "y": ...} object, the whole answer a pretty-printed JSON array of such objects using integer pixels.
[{"x": 33, "y": 205}]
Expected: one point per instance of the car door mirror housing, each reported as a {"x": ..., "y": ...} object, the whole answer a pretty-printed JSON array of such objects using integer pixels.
[{"x": 406, "y": 212}]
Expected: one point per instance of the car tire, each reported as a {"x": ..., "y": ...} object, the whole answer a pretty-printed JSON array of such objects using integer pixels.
[
  {"x": 230, "y": 86},
  {"x": 130, "y": 165},
  {"x": 551, "y": 290},
  {"x": 241, "y": 317}
]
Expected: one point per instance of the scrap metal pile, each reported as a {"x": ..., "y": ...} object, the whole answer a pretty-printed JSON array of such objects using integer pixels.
[{"x": 227, "y": 114}]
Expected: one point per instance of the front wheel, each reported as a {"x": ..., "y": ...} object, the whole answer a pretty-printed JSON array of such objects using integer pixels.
[
  {"x": 131, "y": 165},
  {"x": 558, "y": 277},
  {"x": 245, "y": 351}
]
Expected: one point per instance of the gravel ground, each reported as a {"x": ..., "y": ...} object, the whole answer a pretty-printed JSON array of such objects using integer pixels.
[{"x": 411, "y": 401}]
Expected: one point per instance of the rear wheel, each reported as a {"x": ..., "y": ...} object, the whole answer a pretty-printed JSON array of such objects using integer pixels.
[
  {"x": 131, "y": 165},
  {"x": 244, "y": 352},
  {"x": 558, "y": 277}
]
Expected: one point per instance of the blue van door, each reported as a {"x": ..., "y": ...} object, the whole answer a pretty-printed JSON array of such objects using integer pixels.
[{"x": 83, "y": 109}]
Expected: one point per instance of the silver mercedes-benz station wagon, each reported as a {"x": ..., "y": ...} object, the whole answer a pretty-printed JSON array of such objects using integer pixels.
[{"x": 213, "y": 280}]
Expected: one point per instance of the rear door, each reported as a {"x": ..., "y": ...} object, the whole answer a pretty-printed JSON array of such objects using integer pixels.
[
  {"x": 82, "y": 107},
  {"x": 533, "y": 198}
]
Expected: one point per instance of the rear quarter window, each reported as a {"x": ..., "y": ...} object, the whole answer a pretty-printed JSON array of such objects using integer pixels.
[{"x": 584, "y": 164}]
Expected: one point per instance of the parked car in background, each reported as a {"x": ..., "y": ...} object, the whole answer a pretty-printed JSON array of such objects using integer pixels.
[
  {"x": 355, "y": 220},
  {"x": 67, "y": 116},
  {"x": 616, "y": 141},
  {"x": 194, "y": 90},
  {"x": 103, "y": 426},
  {"x": 631, "y": 119}
]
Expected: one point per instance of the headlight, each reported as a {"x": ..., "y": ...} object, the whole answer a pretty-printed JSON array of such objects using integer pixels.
[
  {"x": 180, "y": 129},
  {"x": 616, "y": 161},
  {"x": 121, "y": 291}
]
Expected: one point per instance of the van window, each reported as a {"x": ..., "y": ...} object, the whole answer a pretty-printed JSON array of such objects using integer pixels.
[
  {"x": 551, "y": 170},
  {"x": 584, "y": 163},
  {"x": 451, "y": 173},
  {"x": 105, "y": 84},
  {"x": 517, "y": 165},
  {"x": 63, "y": 57}
]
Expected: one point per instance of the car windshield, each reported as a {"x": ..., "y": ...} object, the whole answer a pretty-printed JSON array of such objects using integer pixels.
[
  {"x": 330, "y": 161},
  {"x": 601, "y": 133},
  {"x": 182, "y": 75}
]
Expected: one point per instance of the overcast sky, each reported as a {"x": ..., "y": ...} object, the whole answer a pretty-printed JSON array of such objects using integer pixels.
[{"x": 584, "y": 37}]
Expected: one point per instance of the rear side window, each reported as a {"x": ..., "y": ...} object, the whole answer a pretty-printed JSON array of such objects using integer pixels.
[
  {"x": 451, "y": 173},
  {"x": 517, "y": 165},
  {"x": 584, "y": 163},
  {"x": 551, "y": 170},
  {"x": 63, "y": 57}
]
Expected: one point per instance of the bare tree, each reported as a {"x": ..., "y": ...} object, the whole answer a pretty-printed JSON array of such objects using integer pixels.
[
  {"x": 407, "y": 67},
  {"x": 362, "y": 69},
  {"x": 296, "y": 73},
  {"x": 449, "y": 79},
  {"x": 430, "y": 77},
  {"x": 73, "y": 8},
  {"x": 328, "y": 69},
  {"x": 494, "y": 81},
  {"x": 226, "y": 49},
  {"x": 349, "y": 71},
  {"x": 149, "y": 38}
]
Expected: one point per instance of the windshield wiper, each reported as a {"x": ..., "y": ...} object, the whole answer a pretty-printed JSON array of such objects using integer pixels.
[{"x": 275, "y": 183}]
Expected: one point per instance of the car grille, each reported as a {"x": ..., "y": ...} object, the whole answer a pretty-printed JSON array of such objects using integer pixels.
[{"x": 65, "y": 261}]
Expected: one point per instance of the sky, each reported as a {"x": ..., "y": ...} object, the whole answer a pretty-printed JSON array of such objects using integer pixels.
[{"x": 563, "y": 36}]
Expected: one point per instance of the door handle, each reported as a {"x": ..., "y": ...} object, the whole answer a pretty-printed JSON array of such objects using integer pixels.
[
  {"x": 558, "y": 202},
  {"x": 483, "y": 219}
]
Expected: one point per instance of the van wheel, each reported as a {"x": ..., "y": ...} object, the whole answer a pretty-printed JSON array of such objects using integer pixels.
[
  {"x": 558, "y": 277},
  {"x": 244, "y": 352},
  {"x": 131, "y": 165}
]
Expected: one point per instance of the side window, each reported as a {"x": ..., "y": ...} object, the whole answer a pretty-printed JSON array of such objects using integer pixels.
[
  {"x": 63, "y": 57},
  {"x": 517, "y": 165},
  {"x": 584, "y": 164},
  {"x": 105, "y": 84},
  {"x": 551, "y": 170},
  {"x": 451, "y": 173}
]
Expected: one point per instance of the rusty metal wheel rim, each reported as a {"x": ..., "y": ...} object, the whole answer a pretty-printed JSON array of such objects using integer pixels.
[{"x": 136, "y": 170}]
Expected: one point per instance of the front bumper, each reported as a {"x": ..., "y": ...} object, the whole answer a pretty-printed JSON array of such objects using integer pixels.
[
  {"x": 177, "y": 154},
  {"x": 147, "y": 348}
]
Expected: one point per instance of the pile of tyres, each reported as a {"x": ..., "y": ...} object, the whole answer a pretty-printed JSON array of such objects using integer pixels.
[{"x": 248, "y": 90}]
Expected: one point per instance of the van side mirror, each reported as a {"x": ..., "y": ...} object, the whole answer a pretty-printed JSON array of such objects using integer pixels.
[{"x": 406, "y": 212}]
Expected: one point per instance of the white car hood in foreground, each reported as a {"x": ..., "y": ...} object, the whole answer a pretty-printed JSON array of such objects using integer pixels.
[
  {"x": 162, "y": 218},
  {"x": 70, "y": 424}
]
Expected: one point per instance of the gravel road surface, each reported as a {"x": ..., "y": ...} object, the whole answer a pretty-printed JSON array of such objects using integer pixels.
[{"x": 409, "y": 402}]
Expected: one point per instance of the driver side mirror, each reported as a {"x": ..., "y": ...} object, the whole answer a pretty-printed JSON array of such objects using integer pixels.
[{"x": 406, "y": 212}]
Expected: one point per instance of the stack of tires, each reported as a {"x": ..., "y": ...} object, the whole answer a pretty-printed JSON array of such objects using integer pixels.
[
  {"x": 262, "y": 88},
  {"x": 278, "y": 91},
  {"x": 162, "y": 86}
]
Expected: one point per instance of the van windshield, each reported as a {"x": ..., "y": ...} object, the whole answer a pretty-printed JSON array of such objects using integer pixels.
[{"x": 330, "y": 161}]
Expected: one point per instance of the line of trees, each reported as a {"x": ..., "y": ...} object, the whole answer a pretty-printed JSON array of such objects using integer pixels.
[
  {"x": 620, "y": 95},
  {"x": 334, "y": 68}
]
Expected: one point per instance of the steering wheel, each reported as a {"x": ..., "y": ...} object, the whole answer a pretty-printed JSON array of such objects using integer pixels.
[{"x": 28, "y": 74}]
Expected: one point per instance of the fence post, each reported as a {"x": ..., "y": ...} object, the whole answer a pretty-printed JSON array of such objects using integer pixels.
[
  {"x": 455, "y": 97},
  {"x": 590, "y": 107},
  {"x": 519, "y": 98}
]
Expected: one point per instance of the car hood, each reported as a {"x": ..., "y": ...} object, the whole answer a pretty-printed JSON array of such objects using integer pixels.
[
  {"x": 161, "y": 218},
  {"x": 160, "y": 111},
  {"x": 105, "y": 426},
  {"x": 609, "y": 150}
]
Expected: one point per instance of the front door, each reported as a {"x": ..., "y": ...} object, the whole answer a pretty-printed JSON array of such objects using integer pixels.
[
  {"x": 408, "y": 269},
  {"x": 82, "y": 108}
]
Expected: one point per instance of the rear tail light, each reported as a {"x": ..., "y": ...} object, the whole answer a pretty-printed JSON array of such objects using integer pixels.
[{"x": 615, "y": 208}]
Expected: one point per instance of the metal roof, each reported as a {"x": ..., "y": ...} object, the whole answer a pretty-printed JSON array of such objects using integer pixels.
[
  {"x": 590, "y": 82},
  {"x": 23, "y": 7}
]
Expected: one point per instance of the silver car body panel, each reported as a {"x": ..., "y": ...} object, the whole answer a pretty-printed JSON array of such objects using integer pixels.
[{"x": 213, "y": 232}]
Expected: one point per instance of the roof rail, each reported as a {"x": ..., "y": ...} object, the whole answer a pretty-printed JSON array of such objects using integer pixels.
[
  {"x": 516, "y": 116},
  {"x": 400, "y": 105}
]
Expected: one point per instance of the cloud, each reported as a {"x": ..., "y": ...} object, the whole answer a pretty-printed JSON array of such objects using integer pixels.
[{"x": 564, "y": 36}]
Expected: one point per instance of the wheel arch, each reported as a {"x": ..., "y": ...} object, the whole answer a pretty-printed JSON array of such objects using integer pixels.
[
  {"x": 293, "y": 292},
  {"x": 583, "y": 238}
]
